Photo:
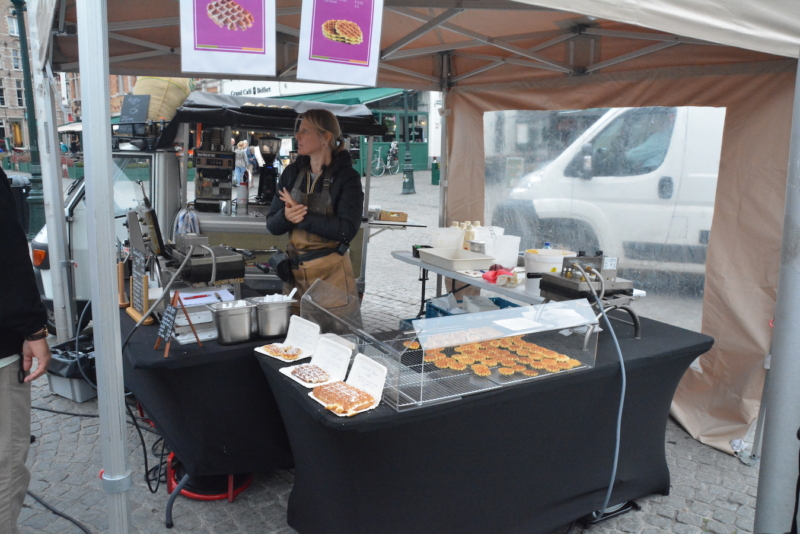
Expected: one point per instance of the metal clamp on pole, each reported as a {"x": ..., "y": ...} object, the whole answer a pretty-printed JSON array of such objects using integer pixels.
[{"x": 116, "y": 484}]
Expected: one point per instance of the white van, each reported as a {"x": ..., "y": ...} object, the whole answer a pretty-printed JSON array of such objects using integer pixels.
[
  {"x": 129, "y": 168},
  {"x": 638, "y": 184}
]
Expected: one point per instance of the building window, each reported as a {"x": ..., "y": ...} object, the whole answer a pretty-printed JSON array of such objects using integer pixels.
[
  {"x": 16, "y": 59},
  {"x": 13, "y": 29},
  {"x": 2, "y": 94},
  {"x": 20, "y": 93}
]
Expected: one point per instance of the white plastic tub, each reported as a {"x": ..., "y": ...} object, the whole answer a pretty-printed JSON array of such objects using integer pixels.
[
  {"x": 545, "y": 260},
  {"x": 447, "y": 237},
  {"x": 455, "y": 259},
  {"x": 506, "y": 250}
]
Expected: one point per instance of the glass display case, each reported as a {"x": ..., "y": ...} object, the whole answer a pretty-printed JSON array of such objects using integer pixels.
[{"x": 446, "y": 358}]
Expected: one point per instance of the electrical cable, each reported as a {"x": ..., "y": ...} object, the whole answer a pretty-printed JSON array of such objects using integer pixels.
[
  {"x": 60, "y": 514},
  {"x": 164, "y": 293},
  {"x": 213, "y": 263},
  {"x": 144, "y": 450},
  {"x": 75, "y": 414},
  {"x": 622, "y": 392}
]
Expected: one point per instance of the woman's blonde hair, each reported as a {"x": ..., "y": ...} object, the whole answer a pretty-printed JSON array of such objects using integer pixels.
[
  {"x": 242, "y": 144},
  {"x": 325, "y": 122}
]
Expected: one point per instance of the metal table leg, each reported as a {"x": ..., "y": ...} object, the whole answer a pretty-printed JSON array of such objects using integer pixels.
[
  {"x": 423, "y": 277},
  {"x": 172, "y": 497}
]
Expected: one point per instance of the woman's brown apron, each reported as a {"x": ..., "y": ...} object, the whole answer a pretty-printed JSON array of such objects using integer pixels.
[{"x": 335, "y": 269}]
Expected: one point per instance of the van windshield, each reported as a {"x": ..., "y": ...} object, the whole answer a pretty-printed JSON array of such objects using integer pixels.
[{"x": 127, "y": 171}]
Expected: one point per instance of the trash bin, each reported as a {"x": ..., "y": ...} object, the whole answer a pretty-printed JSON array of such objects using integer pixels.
[
  {"x": 21, "y": 188},
  {"x": 435, "y": 172},
  {"x": 69, "y": 370}
]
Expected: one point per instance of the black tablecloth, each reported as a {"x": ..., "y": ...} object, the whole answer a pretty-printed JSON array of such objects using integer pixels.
[
  {"x": 522, "y": 459},
  {"x": 213, "y": 404}
]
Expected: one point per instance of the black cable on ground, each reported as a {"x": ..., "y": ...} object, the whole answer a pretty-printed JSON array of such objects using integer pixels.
[
  {"x": 144, "y": 451},
  {"x": 75, "y": 414},
  {"x": 60, "y": 514}
]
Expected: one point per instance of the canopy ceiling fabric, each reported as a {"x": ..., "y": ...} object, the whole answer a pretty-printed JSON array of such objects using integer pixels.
[
  {"x": 490, "y": 41},
  {"x": 769, "y": 26},
  {"x": 578, "y": 54}
]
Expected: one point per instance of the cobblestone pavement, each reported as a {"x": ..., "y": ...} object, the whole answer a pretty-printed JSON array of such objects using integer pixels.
[{"x": 711, "y": 491}]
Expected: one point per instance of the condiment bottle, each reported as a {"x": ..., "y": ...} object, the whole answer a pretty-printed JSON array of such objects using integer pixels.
[{"x": 469, "y": 235}]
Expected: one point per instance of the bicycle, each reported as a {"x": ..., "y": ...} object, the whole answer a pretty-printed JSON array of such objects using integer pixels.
[
  {"x": 377, "y": 167},
  {"x": 392, "y": 161}
]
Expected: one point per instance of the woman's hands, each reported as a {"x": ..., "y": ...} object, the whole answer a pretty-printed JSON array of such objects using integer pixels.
[{"x": 294, "y": 212}]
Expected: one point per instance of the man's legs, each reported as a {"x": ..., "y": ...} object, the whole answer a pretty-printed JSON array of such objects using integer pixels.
[{"x": 15, "y": 439}]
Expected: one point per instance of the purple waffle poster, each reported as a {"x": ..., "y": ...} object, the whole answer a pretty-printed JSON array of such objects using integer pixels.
[
  {"x": 339, "y": 40},
  {"x": 225, "y": 26},
  {"x": 341, "y": 30},
  {"x": 228, "y": 36}
]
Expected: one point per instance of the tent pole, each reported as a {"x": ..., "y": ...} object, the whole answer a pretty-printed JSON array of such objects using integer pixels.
[
  {"x": 50, "y": 156},
  {"x": 93, "y": 57},
  {"x": 444, "y": 154},
  {"x": 367, "y": 166},
  {"x": 779, "y": 458}
]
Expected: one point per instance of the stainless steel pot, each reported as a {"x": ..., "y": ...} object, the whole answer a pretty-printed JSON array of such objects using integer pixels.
[
  {"x": 273, "y": 317},
  {"x": 232, "y": 320}
]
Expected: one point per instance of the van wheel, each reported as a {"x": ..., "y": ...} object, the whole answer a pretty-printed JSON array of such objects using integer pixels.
[{"x": 569, "y": 234}]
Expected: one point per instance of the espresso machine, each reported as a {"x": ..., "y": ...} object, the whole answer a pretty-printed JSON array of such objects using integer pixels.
[
  {"x": 268, "y": 173},
  {"x": 214, "y": 162}
]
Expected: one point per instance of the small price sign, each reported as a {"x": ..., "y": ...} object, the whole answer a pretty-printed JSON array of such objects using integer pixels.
[{"x": 167, "y": 325}]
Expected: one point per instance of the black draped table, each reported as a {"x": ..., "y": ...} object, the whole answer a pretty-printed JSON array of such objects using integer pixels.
[
  {"x": 522, "y": 459},
  {"x": 212, "y": 405}
]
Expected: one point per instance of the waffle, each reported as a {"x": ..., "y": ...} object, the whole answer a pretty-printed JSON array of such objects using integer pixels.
[
  {"x": 310, "y": 374},
  {"x": 342, "y": 31},
  {"x": 228, "y": 14},
  {"x": 343, "y": 398}
]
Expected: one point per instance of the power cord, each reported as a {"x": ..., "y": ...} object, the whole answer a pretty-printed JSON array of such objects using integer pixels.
[
  {"x": 155, "y": 472},
  {"x": 60, "y": 514},
  {"x": 624, "y": 385}
]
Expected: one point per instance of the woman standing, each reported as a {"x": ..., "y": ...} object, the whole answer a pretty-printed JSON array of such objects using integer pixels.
[
  {"x": 240, "y": 164},
  {"x": 319, "y": 204}
]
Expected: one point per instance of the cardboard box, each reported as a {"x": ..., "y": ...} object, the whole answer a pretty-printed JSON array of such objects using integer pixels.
[{"x": 394, "y": 216}]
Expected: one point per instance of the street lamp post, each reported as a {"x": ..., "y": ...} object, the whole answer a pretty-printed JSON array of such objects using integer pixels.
[
  {"x": 36, "y": 198},
  {"x": 408, "y": 168}
]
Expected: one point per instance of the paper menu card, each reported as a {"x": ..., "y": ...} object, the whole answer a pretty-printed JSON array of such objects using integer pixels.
[
  {"x": 303, "y": 334},
  {"x": 367, "y": 375},
  {"x": 333, "y": 358}
]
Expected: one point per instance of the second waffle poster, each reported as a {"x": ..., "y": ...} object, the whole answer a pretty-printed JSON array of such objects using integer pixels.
[{"x": 340, "y": 41}]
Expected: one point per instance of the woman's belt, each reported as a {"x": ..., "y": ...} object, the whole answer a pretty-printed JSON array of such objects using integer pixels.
[{"x": 298, "y": 259}]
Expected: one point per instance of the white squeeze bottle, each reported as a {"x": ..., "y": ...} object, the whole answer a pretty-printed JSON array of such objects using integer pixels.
[
  {"x": 476, "y": 224},
  {"x": 454, "y": 225},
  {"x": 469, "y": 235},
  {"x": 462, "y": 225}
]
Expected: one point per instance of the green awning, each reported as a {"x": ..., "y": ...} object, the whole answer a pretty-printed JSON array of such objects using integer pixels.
[{"x": 348, "y": 96}]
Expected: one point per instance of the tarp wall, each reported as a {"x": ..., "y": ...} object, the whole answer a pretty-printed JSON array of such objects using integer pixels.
[{"x": 719, "y": 403}]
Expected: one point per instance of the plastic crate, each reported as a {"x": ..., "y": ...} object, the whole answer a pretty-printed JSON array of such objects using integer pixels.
[{"x": 431, "y": 310}]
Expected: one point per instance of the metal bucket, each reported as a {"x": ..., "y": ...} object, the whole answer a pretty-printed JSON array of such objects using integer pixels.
[
  {"x": 273, "y": 317},
  {"x": 232, "y": 320}
]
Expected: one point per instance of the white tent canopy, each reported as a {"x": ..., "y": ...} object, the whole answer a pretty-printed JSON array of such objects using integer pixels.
[
  {"x": 769, "y": 26},
  {"x": 498, "y": 54}
]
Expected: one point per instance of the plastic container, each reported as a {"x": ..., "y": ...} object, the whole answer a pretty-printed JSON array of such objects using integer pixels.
[
  {"x": 541, "y": 260},
  {"x": 447, "y": 237},
  {"x": 76, "y": 389},
  {"x": 272, "y": 318},
  {"x": 455, "y": 259},
  {"x": 432, "y": 310},
  {"x": 506, "y": 250},
  {"x": 233, "y": 321},
  {"x": 469, "y": 235}
]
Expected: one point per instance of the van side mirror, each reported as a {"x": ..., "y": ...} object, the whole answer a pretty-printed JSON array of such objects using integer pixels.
[{"x": 586, "y": 169}]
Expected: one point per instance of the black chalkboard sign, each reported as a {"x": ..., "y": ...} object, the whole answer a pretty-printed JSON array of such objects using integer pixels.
[
  {"x": 138, "y": 273},
  {"x": 134, "y": 108},
  {"x": 167, "y": 322}
]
